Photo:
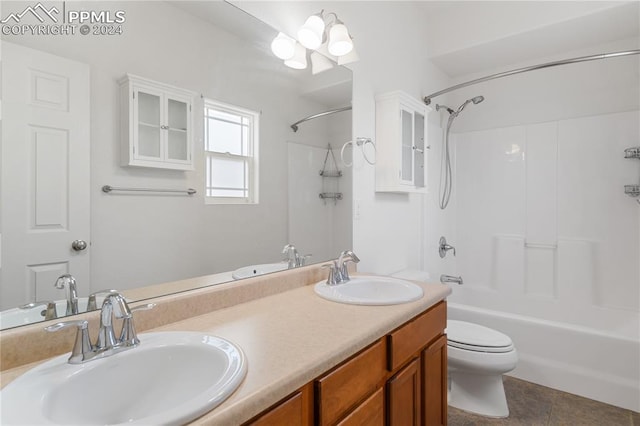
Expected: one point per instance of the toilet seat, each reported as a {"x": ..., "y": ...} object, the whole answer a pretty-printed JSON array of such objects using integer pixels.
[{"x": 473, "y": 337}]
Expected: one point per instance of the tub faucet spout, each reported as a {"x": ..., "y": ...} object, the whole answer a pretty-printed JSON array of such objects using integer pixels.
[{"x": 450, "y": 279}]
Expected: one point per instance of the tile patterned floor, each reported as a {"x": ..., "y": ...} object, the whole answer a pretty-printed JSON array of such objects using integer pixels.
[{"x": 535, "y": 405}]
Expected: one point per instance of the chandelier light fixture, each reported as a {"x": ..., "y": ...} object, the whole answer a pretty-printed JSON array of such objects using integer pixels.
[{"x": 319, "y": 33}]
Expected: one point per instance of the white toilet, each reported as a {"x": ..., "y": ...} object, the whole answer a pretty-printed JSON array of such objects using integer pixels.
[{"x": 478, "y": 356}]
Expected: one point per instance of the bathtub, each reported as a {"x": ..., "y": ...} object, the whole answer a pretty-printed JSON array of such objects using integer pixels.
[{"x": 570, "y": 358}]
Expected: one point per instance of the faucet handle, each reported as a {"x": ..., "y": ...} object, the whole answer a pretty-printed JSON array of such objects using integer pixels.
[
  {"x": 91, "y": 303},
  {"x": 302, "y": 260},
  {"x": 82, "y": 347},
  {"x": 443, "y": 247},
  {"x": 334, "y": 273},
  {"x": 128, "y": 336},
  {"x": 50, "y": 313}
]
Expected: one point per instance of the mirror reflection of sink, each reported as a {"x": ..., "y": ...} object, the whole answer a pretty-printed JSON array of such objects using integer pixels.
[
  {"x": 370, "y": 290},
  {"x": 171, "y": 378},
  {"x": 255, "y": 270},
  {"x": 15, "y": 317}
]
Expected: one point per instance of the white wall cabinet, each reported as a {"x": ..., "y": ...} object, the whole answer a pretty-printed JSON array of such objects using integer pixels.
[
  {"x": 401, "y": 129},
  {"x": 157, "y": 124}
]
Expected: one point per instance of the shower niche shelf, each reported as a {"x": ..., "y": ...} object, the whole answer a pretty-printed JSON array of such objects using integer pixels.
[
  {"x": 632, "y": 190},
  {"x": 632, "y": 152},
  {"x": 401, "y": 145}
]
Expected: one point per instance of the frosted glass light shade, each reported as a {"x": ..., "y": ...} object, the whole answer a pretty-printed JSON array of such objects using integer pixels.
[
  {"x": 310, "y": 34},
  {"x": 339, "y": 40},
  {"x": 283, "y": 46},
  {"x": 319, "y": 63},
  {"x": 299, "y": 59}
]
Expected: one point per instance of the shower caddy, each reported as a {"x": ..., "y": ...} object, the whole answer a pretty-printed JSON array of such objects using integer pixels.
[
  {"x": 632, "y": 190},
  {"x": 330, "y": 171}
]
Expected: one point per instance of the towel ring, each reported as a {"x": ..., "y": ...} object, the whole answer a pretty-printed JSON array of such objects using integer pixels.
[{"x": 361, "y": 142}]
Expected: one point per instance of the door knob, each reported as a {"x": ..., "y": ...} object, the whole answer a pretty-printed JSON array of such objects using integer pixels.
[{"x": 79, "y": 245}]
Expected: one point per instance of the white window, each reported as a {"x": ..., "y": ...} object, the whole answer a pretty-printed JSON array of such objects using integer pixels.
[{"x": 231, "y": 154}]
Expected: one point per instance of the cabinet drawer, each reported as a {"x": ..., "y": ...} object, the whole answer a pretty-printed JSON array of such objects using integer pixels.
[
  {"x": 416, "y": 334},
  {"x": 370, "y": 412},
  {"x": 289, "y": 412},
  {"x": 341, "y": 389}
]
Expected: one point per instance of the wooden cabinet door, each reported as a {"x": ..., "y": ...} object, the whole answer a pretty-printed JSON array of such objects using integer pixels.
[
  {"x": 403, "y": 396},
  {"x": 434, "y": 380}
]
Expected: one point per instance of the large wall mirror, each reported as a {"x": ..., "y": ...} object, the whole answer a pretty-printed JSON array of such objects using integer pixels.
[{"x": 140, "y": 243}]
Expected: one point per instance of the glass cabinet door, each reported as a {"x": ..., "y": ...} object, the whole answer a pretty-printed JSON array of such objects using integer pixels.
[
  {"x": 177, "y": 138},
  {"x": 406, "y": 171},
  {"x": 419, "y": 150},
  {"x": 149, "y": 122}
]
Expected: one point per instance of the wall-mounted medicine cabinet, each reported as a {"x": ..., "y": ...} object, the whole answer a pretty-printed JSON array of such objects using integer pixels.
[
  {"x": 157, "y": 126},
  {"x": 401, "y": 129}
]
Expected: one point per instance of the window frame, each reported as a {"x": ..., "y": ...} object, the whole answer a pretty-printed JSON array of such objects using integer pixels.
[{"x": 252, "y": 157}]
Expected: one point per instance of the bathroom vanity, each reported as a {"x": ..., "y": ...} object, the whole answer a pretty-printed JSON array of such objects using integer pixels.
[
  {"x": 310, "y": 360},
  {"x": 400, "y": 377}
]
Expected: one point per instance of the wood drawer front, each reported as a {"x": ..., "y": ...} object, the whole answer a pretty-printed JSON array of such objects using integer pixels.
[
  {"x": 289, "y": 412},
  {"x": 343, "y": 388},
  {"x": 416, "y": 334},
  {"x": 370, "y": 412}
]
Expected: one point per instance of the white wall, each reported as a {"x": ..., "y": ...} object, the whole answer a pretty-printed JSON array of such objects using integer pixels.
[
  {"x": 140, "y": 240},
  {"x": 389, "y": 38}
]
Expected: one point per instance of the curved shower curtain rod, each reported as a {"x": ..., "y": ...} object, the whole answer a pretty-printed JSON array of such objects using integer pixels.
[
  {"x": 294, "y": 126},
  {"x": 427, "y": 99}
]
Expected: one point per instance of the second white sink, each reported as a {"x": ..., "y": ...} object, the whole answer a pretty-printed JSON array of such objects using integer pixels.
[
  {"x": 171, "y": 378},
  {"x": 255, "y": 270},
  {"x": 370, "y": 290}
]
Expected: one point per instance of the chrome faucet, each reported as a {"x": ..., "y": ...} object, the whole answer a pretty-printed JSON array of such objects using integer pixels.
[
  {"x": 338, "y": 269},
  {"x": 345, "y": 257},
  {"x": 91, "y": 301},
  {"x": 49, "y": 313},
  {"x": 450, "y": 279},
  {"x": 113, "y": 305},
  {"x": 107, "y": 344},
  {"x": 444, "y": 247},
  {"x": 293, "y": 258},
  {"x": 68, "y": 283}
]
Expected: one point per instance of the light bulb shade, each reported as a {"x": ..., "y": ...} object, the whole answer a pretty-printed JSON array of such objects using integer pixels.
[
  {"x": 349, "y": 57},
  {"x": 299, "y": 59},
  {"x": 319, "y": 63},
  {"x": 283, "y": 46},
  {"x": 310, "y": 34},
  {"x": 339, "y": 40}
]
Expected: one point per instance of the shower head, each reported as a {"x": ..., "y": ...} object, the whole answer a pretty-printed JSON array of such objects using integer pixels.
[{"x": 476, "y": 100}]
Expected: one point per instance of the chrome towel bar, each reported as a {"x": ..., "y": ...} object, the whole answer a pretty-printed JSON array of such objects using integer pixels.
[{"x": 109, "y": 188}]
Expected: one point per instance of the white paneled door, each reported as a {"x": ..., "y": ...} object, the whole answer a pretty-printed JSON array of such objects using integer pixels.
[{"x": 45, "y": 174}]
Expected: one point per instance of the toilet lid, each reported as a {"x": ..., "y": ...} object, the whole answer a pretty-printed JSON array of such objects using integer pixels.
[{"x": 475, "y": 337}]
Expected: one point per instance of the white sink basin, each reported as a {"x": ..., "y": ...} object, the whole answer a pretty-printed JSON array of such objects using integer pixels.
[
  {"x": 370, "y": 290},
  {"x": 255, "y": 270},
  {"x": 171, "y": 378}
]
